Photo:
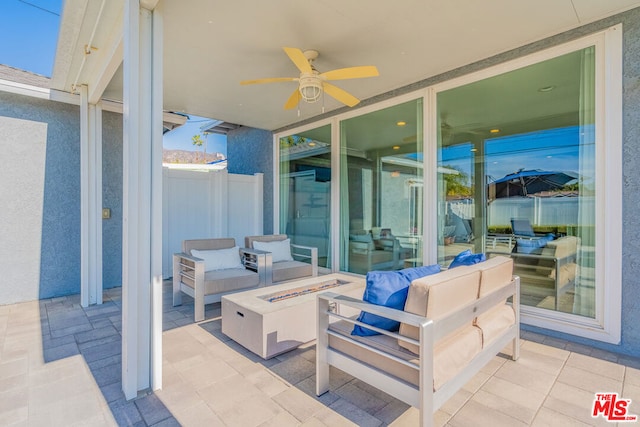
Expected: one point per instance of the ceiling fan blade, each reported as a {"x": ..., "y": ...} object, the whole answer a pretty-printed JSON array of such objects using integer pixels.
[
  {"x": 298, "y": 58},
  {"x": 351, "y": 73},
  {"x": 269, "y": 80},
  {"x": 340, "y": 94},
  {"x": 293, "y": 100}
]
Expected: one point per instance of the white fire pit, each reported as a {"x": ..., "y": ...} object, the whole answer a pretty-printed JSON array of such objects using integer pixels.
[{"x": 269, "y": 321}]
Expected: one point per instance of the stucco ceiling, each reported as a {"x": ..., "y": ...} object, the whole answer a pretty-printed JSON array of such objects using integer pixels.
[{"x": 209, "y": 47}]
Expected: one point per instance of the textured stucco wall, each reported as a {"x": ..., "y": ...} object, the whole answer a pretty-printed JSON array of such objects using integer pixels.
[
  {"x": 40, "y": 196},
  {"x": 630, "y": 342},
  {"x": 39, "y": 139},
  {"x": 250, "y": 151},
  {"x": 112, "y": 199}
]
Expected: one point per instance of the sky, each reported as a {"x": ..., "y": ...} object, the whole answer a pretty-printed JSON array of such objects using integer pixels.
[
  {"x": 180, "y": 138},
  {"x": 551, "y": 150},
  {"x": 29, "y": 33}
]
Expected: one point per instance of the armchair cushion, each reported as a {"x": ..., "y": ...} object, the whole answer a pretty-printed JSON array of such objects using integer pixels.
[
  {"x": 389, "y": 289},
  {"x": 280, "y": 249},
  {"x": 467, "y": 258},
  {"x": 367, "y": 238},
  {"x": 219, "y": 259}
]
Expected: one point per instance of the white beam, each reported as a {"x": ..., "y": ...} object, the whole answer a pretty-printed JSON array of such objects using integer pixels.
[
  {"x": 142, "y": 200},
  {"x": 106, "y": 68}
]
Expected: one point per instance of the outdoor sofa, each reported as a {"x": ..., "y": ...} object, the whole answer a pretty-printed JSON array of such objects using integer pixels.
[
  {"x": 206, "y": 269},
  {"x": 453, "y": 323}
]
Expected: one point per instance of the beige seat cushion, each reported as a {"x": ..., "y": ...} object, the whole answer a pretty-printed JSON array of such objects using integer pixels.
[
  {"x": 450, "y": 354},
  {"x": 494, "y": 322},
  {"x": 289, "y": 270},
  {"x": 226, "y": 280},
  {"x": 438, "y": 295},
  {"x": 454, "y": 352}
]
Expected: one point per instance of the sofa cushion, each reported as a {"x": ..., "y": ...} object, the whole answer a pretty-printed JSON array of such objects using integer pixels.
[
  {"x": 360, "y": 236},
  {"x": 467, "y": 258},
  {"x": 233, "y": 279},
  {"x": 494, "y": 322},
  {"x": 289, "y": 270},
  {"x": 219, "y": 259},
  {"x": 450, "y": 354},
  {"x": 439, "y": 295},
  {"x": 495, "y": 273},
  {"x": 382, "y": 343},
  {"x": 280, "y": 249},
  {"x": 564, "y": 247},
  {"x": 389, "y": 289},
  {"x": 454, "y": 352}
]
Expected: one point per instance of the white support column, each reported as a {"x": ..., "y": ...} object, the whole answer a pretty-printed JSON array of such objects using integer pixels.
[
  {"x": 157, "y": 173},
  {"x": 95, "y": 204},
  {"x": 84, "y": 197},
  {"x": 90, "y": 201},
  {"x": 142, "y": 201}
]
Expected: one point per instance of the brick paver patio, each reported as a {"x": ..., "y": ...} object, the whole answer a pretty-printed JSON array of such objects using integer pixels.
[{"x": 60, "y": 365}]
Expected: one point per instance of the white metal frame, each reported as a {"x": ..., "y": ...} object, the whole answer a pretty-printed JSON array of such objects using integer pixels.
[{"x": 430, "y": 332}]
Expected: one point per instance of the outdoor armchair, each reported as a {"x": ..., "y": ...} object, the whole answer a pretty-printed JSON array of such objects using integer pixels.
[
  {"x": 283, "y": 260},
  {"x": 206, "y": 269},
  {"x": 367, "y": 253}
]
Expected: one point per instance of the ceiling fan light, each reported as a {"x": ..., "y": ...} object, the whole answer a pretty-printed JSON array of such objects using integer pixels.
[{"x": 310, "y": 89}]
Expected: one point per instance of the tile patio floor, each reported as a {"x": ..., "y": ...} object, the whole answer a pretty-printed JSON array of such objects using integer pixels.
[{"x": 60, "y": 366}]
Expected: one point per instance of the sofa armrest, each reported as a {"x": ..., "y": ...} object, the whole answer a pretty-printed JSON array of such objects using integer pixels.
[
  {"x": 259, "y": 261},
  {"x": 188, "y": 266},
  {"x": 312, "y": 256}
]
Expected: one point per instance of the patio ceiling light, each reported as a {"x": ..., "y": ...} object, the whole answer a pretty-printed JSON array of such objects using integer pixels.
[{"x": 310, "y": 88}]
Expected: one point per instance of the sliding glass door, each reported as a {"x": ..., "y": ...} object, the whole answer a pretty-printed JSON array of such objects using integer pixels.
[
  {"x": 305, "y": 190},
  {"x": 517, "y": 177},
  {"x": 381, "y": 189}
]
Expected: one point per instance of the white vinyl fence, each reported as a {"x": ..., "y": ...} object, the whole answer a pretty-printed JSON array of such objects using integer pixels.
[{"x": 206, "y": 204}]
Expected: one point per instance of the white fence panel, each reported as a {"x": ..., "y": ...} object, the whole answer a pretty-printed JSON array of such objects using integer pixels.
[{"x": 205, "y": 204}]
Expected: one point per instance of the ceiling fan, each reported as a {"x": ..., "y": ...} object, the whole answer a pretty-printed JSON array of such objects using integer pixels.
[{"x": 312, "y": 83}]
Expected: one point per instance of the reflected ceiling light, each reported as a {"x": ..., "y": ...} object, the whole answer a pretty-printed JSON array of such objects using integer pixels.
[
  {"x": 312, "y": 144},
  {"x": 395, "y": 174},
  {"x": 401, "y": 123},
  {"x": 495, "y": 130},
  {"x": 396, "y": 147},
  {"x": 546, "y": 89},
  {"x": 474, "y": 149}
]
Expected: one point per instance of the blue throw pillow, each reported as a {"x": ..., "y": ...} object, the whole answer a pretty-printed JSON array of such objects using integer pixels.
[
  {"x": 467, "y": 258},
  {"x": 414, "y": 273},
  {"x": 390, "y": 289}
]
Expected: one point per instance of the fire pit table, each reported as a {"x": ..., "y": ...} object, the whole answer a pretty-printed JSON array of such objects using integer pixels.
[{"x": 275, "y": 319}]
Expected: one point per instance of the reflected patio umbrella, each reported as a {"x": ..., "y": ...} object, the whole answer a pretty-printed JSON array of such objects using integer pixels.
[{"x": 525, "y": 182}]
